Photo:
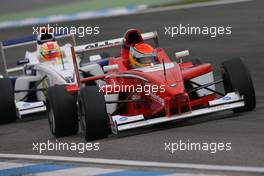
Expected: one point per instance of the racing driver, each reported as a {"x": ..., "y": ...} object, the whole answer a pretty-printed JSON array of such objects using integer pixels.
[
  {"x": 142, "y": 55},
  {"x": 50, "y": 51}
]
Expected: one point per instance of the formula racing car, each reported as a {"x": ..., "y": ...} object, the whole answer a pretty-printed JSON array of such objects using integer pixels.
[
  {"x": 142, "y": 87},
  {"x": 48, "y": 65}
]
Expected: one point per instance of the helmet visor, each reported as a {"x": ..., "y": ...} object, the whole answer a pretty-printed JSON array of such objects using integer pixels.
[
  {"x": 146, "y": 59},
  {"x": 52, "y": 55}
]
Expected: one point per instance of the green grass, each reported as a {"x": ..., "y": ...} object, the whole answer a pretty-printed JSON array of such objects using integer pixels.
[
  {"x": 82, "y": 6},
  {"x": 179, "y": 3},
  {"x": 89, "y": 5}
]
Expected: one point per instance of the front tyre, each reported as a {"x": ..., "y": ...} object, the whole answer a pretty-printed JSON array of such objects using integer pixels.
[
  {"x": 62, "y": 111},
  {"x": 237, "y": 78},
  {"x": 196, "y": 61},
  {"x": 7, "y": 102},
  {"x": 94, "y": 117}
]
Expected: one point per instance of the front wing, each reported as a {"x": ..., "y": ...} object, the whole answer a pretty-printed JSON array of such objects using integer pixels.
[
  {"x": 26, "y": 108},
  {"x": 229, "y": 101}
]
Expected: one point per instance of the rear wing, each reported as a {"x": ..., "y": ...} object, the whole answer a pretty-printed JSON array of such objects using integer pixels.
[
  {"x": 4, "y": 70},
  {"x": 28, "y": 40},
  {"x": 113, "y": 43}
]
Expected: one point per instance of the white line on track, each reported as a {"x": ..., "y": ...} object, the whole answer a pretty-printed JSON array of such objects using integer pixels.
[
  {"x": 80, "y": 171},
  {"x": 225, "y": 168},
  {"x": 8, "y": 165},
  {"x": 192, "y": 5}
]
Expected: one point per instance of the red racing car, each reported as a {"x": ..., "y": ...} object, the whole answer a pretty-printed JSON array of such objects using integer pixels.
[{"x": 143, "y": 87}]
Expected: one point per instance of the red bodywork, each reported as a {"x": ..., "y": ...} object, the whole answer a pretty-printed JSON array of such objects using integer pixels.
[{"x": 174, "y": 100}]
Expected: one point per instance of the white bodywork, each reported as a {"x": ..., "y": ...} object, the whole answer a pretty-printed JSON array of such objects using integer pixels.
[
  {"x": 55, "y": 72},
  {"x": 204, "y": 79}
]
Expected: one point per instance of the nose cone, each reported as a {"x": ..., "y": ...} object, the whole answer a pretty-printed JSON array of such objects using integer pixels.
[
  {"x": 175, "y": 88},
  {"x": 170, "y": 79}
]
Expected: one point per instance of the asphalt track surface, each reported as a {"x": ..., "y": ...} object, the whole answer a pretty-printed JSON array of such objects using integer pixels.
[{"x": 245, "y": 131}]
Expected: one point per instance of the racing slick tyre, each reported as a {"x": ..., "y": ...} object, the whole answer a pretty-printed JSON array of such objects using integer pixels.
[
  {"x": 62, "y": 111},
  {"x": 237, "y": 78},
  {"x": 104, "y": 55},
  {"x": 94, "y": 118},
  {"x": 196, "y": 61},
  {"x": 7, "y": 102}
]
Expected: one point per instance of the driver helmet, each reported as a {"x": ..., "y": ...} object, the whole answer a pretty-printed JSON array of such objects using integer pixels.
[
  {"x": 45, "y": 35},
  {"x": 141, "y": 55},
  {"x": 50, "y": 51}
]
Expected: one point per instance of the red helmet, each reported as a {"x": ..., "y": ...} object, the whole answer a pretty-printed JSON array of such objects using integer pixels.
[
  {"x": 50, "y": 51},
  {"x": 142, "y": 55}
]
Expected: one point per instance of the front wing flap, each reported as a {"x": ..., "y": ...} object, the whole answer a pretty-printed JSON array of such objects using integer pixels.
[
  {"x": 25, "y": 108},
  {"x": 229, "y": 101}
]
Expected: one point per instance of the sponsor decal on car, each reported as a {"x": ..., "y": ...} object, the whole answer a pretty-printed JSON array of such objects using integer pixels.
[
  {"x": 173, "y": 85},
  {"x": 26, "y": 105},
  {"x": 226, "y": 98},
  {"x": 123, "y": 119}
]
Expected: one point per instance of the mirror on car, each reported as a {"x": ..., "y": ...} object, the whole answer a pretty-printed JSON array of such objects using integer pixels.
[
  {"x": 180, "y": 55},
  {"x": 110, "y": 67}
]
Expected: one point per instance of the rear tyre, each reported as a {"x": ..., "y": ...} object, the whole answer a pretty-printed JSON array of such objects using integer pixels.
[
  {"x": 94, "y": 118},
  {"x": 7, "y": 102},
  {"x": 104, "y": 55},
  {"x": 62, "y": 111},
  {"x": 196, "y": 62},
  {"x": 237, "y": 78}
]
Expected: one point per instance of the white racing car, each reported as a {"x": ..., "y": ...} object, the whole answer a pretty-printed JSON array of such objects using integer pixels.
[{"x": 49, "y": 65}]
